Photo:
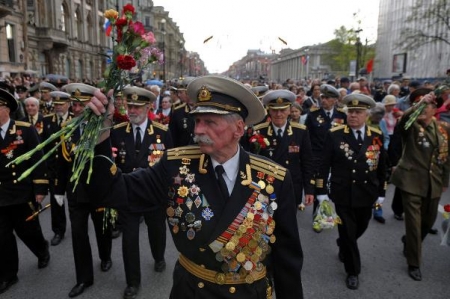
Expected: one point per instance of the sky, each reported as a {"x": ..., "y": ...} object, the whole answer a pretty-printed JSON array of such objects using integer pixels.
[{"x": 241, "y": 25}]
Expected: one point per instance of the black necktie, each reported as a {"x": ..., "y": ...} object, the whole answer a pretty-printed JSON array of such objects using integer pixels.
[
  {"x": 1, "y": 136},
  {"x": 138, "y": 142},
  {"x": 60, "y": 121},
  {"x": 359, "y": 138},
  {"x": 279, "y": 132},
  {"x": 222, "y": 185},
  {"x": 328, "y": 115}
]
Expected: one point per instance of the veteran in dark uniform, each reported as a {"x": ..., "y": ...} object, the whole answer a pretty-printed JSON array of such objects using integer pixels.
[
  {"x": 19, "y": 199},
  {"x": 52, "y": 123},
  {"x": 354, "y": 156},
  {"x": 223, "y": 223},
  {"x": 288, "y": 143},
  {"x": 33, "y": 117},
  {"x": 181, "y": 124},
  {"x": 47, "y": 105},
  {"x": 79, "y": 207},
  {"x": 140, "y": 143},
  {"x": 422, "y": 174}
]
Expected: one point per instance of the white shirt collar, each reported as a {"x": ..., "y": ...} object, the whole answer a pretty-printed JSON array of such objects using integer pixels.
[
  {"x": 363, "y": 132},
  {"x": 143, "y": 126},
  {"x": 282, "y": 128},
  {"x": 5, "y": 128},
  {"x": 231, "y": 168}
]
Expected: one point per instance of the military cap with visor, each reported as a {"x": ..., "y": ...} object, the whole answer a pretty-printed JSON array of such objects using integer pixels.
[
  {"x": 60, "y": 97},
  {"x": 222, "y": 95},
  {"x": 80, "y": 92},
  {"x": 47, "y": 87},
  {"x": 279, "y": 99},
  {"x": 358, "y": 101},
  {"x": 8, "y": 100},
  {"x": 137, "y": 96},
  {"x": 328, "y": 91}
]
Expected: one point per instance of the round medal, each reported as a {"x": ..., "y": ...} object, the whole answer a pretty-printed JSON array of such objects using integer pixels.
[{"x": 269, "y": 189}]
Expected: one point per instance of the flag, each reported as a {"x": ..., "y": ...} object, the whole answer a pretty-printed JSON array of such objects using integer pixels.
[
  {"x": 369, "y": 66},
  {"x": 107, "y": 26},
  {"x": 304, "y": 60}
]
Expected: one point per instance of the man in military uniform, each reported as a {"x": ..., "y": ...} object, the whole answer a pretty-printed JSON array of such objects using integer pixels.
[
  {"x": 181, "y": 123},
  {"x": 288, "y": 143},
  {"x": 79, "y": 207},
  {"x": 223, "y": 225},
  {"x": 22, "y": 93},
  {"x": 140, "y": 143},
  {"x": 33, "y": 117},
  {"x": 19, "y": 199},
  {"x": 354, "y": 156},
  {"x": 422, "y": 174},
  {"x": 320, "y": 120},
  {"x": 52, "y": 124},
  {"x": 47, "y": 106}
]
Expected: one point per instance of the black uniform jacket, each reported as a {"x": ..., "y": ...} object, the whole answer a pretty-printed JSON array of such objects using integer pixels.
[
  {"x": 181, "y": 125},
  {"x": 357, "y": 176},
  {"x": 39, "y": 125},
  {"x": 20, "y": 138},
  {"x": 318, "y": 125},
  {"x": 184, "y": 180},
  {"x": 51, "y": 126},
  {"x": 293, "y": 151},
  {"x": 157, "y": 139}
]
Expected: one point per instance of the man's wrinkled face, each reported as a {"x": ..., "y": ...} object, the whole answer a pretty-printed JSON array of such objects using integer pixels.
[
  {"x": 279, "y": 116},
  {"x": 356, "y": 118},
  {"x": 77, "y": 108},
  {"x": 327, "y": 102},
  {"x": 61, "y": 109},
  {"x": 32, "y": 108},
  {"x": 137, "y": 114}
]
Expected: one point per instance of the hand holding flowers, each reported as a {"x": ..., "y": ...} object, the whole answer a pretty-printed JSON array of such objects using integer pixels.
[{"x": 259, "y": 142}]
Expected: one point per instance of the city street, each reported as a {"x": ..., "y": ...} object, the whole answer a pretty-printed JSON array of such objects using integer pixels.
[{"x": 384, "y": 270}]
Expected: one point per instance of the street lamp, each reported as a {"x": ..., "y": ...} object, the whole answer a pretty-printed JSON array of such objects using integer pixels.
[
  {"x": 181, "y": 59},
  {"x": 163, "y": 31}
]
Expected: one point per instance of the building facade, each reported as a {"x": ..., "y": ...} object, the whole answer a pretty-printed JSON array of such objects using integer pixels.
[
  {"x": 429, "y": 61},
  {"x": 67, "y": 37}
]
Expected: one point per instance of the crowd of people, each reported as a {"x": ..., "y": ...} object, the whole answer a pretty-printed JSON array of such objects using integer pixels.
[{"x": 227, "y": 165}]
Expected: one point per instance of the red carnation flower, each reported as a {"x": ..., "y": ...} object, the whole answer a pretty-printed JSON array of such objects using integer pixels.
[
  {"x": 125, "y": 62},
  {"x": 121, "y": 22},
  {"x": 128, "y": 8},
  {"x": 447, "y": 208}
]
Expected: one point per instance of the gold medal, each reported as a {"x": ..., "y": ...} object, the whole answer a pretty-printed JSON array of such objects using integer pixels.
[
  {"x": 257, "y": 205},
  {"x": 269, "y": 189},
  {"x": 272, "y": 239},
  {"x": 220, "y": 278},
  {"x": 230, "y": 246},
  {"x": 170, "y": 211},
  {"x": 262, "y": 184},
  {"x": 249, "y": 279},
  {"x": 175, "y": 229},
  {"x": 250, "y": 216},
  {"x": 240, "y": 257}
]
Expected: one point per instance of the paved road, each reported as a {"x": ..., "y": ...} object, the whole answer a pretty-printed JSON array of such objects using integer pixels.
[{"x": 384, "y": 270}]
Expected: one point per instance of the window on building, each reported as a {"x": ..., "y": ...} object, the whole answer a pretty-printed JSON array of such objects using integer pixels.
[
  {"x": 10, "y": 34},
  {"x": 147, "y": 22},
  {"x": 67, "y": 69},
  {"x": 64, "y": 15},
  {"x": 90, "y": 29}
]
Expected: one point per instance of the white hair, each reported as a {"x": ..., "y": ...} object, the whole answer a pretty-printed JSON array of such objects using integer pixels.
[
  {"x": 31, "y": 99},
  {"x": 155, "y": 87}
]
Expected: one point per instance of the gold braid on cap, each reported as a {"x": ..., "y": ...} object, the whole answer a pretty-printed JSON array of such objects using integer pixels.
[
  {"x": 280, "y": 101},
  {"x": 134, "y": 96}
]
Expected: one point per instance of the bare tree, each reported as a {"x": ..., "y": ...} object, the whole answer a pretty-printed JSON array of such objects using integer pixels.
[{"x": 428, "y": 22}]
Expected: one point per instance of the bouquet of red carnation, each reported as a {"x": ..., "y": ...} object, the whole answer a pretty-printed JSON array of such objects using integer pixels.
[
  {"x": 259, "y": 142},
  {"x": 445, "y": 224},
  {"x": 162, "y": 119}
]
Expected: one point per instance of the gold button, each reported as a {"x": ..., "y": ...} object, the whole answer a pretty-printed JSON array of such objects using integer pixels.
[
  {"x": 354, "y": 181},
  {"x": 431, "y": 171},
  {"x": 203, "y": 266},
  {"x": 232, "y": 290},
  {"x": 15, "y": 181},
  {"x": 367, "y": 171},
  {"x": 354, "y": 171},
  {"x": 365, "y": 182},
  {"x": 13, "y": 173},
  {"x": 202, "y": 249},
  {"x": 201, "y": 285},
  {"x": 355, "y": 161},
  {"x": 13, "y": 166}
]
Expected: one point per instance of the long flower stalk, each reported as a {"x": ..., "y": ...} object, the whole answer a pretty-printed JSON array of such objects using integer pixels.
[{"x": 413, "y": 117}]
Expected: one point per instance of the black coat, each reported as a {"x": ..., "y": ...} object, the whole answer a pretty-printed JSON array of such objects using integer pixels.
[
  {"x": 181, "y": 125},
  {"x": 293, "y": 151},
  {"x": 318, "y": 125},
  {"x": 19, "y": 139},
  {"x": 357, "y": 176},
  {"x": 39, "y": 125},
  {"x": 157, "y": 139},
  {"x": 196, "y": 197}
]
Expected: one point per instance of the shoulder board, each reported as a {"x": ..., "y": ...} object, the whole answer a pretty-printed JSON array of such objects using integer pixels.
[
  {"x": 184, "y": 152},
  {"x": 312, "y": 109},
  {"x": 373, "y": 129},
  {"x": 179, "y": 106},
  {"x": 340, "y": 110},
  {"x": 443, "y": 123},
  {"x": 260, "y": 126},
  {"x": 49, "y": 115},
  {"x": 22, "y": 123},
  {"x": 159, "y": 126},
  {"x": 268, "y": 167},
  {"x": 337, "y": 128},
  {"x": 298, "y": 125},
  {"x": 122, "y": 124}
]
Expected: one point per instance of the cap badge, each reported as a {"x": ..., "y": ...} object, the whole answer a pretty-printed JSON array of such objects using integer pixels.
[
  {"x": 279, "y": 101},
  {"x": 134, "y": 96},
  {"x": 77, "y": 93},
  {"x": 57, "y": 98},
  {"x": 355, "y": 102},
  {"x": 204, "y": 94}
]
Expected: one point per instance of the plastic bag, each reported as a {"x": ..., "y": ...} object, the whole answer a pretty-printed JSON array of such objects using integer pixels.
[{"x": 325, "y": 216}]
